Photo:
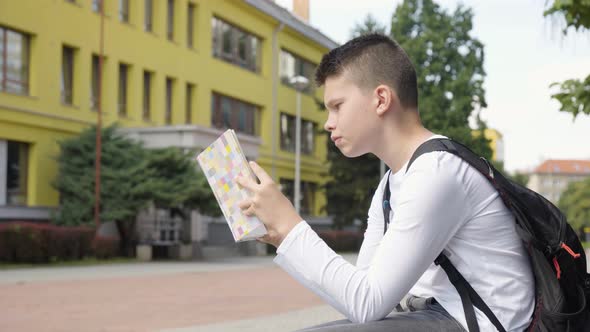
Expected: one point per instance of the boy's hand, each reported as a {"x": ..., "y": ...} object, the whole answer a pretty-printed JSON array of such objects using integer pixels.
[{"x": 269, "y": 205}]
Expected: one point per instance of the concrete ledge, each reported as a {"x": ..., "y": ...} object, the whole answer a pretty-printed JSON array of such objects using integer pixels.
[{"x": 25, "y": 213}]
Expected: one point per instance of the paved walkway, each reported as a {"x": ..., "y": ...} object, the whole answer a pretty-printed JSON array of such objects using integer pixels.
[{"x": 241, "y": 294}]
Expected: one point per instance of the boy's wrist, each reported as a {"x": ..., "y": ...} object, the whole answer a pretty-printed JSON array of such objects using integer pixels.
[{"x": 288, "y": 227}]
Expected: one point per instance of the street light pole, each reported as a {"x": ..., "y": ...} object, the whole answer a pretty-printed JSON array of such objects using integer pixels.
[{"x": 300, "y": 83}]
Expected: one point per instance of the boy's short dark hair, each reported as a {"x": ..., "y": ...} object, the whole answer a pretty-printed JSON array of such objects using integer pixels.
[{"x": 372, "y": 60}]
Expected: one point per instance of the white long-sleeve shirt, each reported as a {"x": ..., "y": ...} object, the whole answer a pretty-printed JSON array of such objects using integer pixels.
[{"x": 440, "y": 203}]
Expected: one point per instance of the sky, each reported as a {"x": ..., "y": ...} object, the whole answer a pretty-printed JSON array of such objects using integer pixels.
[{"x": 524, "y": 53}]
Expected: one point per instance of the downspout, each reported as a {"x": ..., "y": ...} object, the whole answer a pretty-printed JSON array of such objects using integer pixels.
[
  {"x": 275, "y": 88},
  {"x": 98, "y": 150}
]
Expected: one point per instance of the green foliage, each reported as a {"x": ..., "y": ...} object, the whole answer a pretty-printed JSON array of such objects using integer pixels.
[
  {"x": 368, "y": 26},
  {"x": 449, "y": 65},
  {"x": 131, "y": 178},
  {"x": 573, "y": 95},
  {"x": 521, "y": 178},
  {"x": 575, "y": 12},
  {"x": 575, "y": 203},
  {"x": 121, "y": 165}
]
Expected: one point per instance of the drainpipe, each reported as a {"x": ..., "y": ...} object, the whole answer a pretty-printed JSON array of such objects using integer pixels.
[
  {"x": 275, "y": 87},
  {"x": 99, "y": 123}
]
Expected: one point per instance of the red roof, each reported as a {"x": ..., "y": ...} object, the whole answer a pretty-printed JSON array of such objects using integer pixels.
[{"x": 564, "y": 166}]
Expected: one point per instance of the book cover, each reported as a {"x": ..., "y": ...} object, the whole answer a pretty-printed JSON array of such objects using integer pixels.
[{"x": 222, "y": 162}]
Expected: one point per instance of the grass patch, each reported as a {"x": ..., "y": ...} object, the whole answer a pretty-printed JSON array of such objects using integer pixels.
[
  {"x": 586, "y": 245},
  {"x": 89, "y": 261}
]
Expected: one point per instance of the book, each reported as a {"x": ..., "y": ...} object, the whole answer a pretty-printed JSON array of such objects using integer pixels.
[{"x": 222, "y": 162}]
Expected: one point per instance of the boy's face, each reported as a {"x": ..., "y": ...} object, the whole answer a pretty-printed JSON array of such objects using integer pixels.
[{"x": 352, "y": 118}]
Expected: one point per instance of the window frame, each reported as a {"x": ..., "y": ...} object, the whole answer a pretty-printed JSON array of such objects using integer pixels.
[{"x": 21, "y": 85}]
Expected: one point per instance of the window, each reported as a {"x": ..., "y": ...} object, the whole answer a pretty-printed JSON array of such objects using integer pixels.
[
  {"x": 235, "y": 45},
  {"x": 228, "y": 112},
  {"x": 190, "y": 88},
  {"x": 67, "y": 75},
  {"x": 147, "y": 95},
  {"x": 124, "y": 11},
  {"x": 190, "y": 25},
  {"x": 123, "y": 81},
  {"x": 292, "y": 65},
  {"x": 307, "y": 194},
  {"x": 170, "y": 23},
  {"x": 148, "y": 15},
  {"x": 14, "y": 61},
  {"x": 96, "y": 4},
  {"x": 308, "y": 130},
  {"x": 169, "y": 91},
  {"x": 94, "y": 85},
  {"x": 14, "y": 161},
  {"x": 288, "y": 127}
]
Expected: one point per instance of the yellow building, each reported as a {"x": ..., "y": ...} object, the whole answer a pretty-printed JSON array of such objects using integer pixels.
[
  {"x": 496, "y": 143},
  {"x": 175, "y": 72}
]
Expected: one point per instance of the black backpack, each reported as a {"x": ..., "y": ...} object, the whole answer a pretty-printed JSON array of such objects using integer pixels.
[{"x": 558, "y": 261}]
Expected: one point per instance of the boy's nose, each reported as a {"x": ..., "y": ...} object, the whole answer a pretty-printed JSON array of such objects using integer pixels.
[{"x": 329, "y": 124}]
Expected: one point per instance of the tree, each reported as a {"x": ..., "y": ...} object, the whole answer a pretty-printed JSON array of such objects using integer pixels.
[
  {"x": 132, "y": 177},
  {"x": 368, "y": 26},
  {"x": 521, "y": 178},
  {"x": 575, "y": 203},
  {"x": 449, "y": 65},
  {"x": 573, "y": 95}
]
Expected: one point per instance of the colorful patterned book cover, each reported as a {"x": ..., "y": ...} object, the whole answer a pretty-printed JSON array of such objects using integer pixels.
[{"x": 222, "y": 162}]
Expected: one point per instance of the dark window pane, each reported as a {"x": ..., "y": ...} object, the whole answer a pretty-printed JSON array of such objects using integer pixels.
[
  {"x": 168, "y": 114},
  {"x": 123, "y": 72},
  {"x": 226, "y": 36},
  {"x": 124, "y": 10},
  {"x": 190, "y": 25},
  {"x": 148, "y": 9},
  {"x": 67, "y": 75},
  {"x": 232, "y": 113},
  {"x": 94, "y": 84},
  {"x": 235, "y": 45},
  {"x": 15, "y": 62},
  {"x": 17, "y": 173},
  {"x": 189, "y": 103},
  {"x": 147, "y": 93},
  {"x": 96, "y": 5},
  {"x": 170, "y": 22},
  {"x": 292, "y": 65}
]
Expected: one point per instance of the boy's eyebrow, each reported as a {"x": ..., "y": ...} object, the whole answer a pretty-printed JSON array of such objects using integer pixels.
[{"x": 331, "y": 103}]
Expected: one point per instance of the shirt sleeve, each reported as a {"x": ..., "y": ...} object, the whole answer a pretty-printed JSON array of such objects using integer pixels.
[{"x": 431, "y": 209}]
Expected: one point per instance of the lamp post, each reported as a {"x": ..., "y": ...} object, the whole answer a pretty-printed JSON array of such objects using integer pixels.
[{"x": 300, "y": 83}]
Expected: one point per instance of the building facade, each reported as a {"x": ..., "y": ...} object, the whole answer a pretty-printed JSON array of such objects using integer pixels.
[
  {"x": 174, "y": 73},
  {"x": 553, "y": 176}
]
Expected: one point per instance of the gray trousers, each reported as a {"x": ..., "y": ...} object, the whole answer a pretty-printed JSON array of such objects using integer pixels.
[{"x": 412, "y": 315}]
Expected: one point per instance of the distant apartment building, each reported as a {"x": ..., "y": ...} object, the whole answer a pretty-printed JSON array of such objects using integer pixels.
[{"x": 553, "y": 176}]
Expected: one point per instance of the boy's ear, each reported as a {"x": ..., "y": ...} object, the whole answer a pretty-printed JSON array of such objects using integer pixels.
[{"x": 385, "y": 98}]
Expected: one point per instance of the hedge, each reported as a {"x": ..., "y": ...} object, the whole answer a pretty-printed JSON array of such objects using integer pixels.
[{"x": 29, "y": 242}]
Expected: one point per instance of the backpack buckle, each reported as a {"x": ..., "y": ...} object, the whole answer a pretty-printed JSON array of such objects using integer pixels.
[{"x": 490, "y": 171}]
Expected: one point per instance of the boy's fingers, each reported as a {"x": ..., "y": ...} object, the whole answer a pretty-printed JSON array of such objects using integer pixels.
[
  {"x": 260, "y": 173},
  {"x": 244, "y": 204},
  {"x": 246, "y": 183}
]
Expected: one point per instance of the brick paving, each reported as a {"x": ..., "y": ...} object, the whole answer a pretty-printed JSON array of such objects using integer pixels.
[{"x": 150, "y": 303}]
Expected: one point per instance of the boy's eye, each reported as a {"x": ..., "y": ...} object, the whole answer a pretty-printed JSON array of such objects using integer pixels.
[{"x": 337, "y": 106}]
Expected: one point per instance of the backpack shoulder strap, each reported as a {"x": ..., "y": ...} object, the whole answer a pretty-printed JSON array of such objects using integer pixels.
[
  {"x": 458, "y": 149},
  {"x": 469, "y": 297}
]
